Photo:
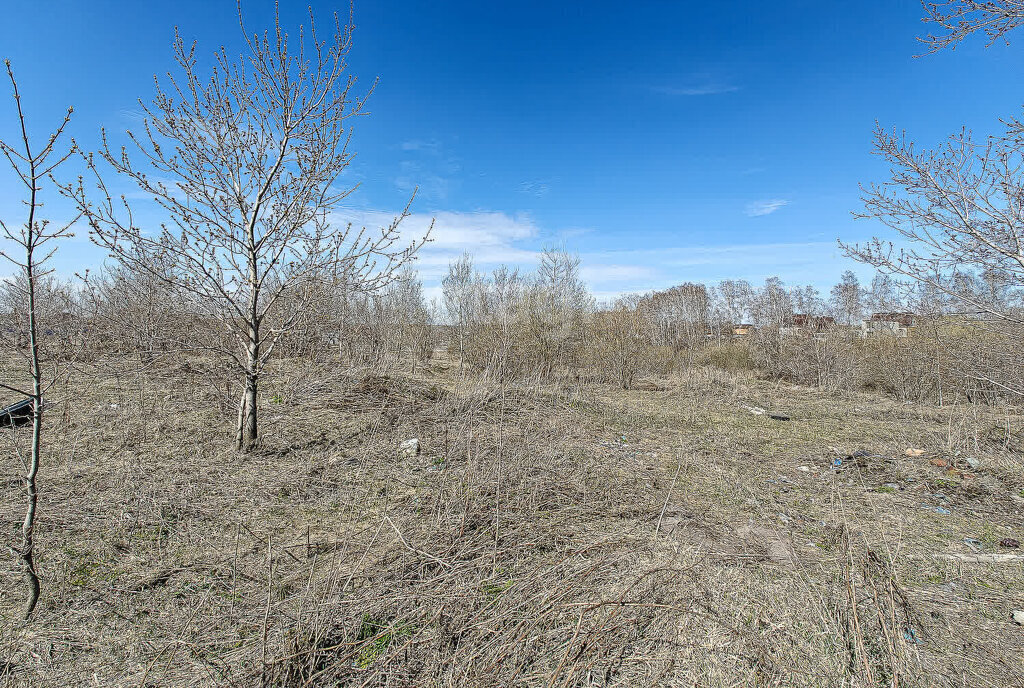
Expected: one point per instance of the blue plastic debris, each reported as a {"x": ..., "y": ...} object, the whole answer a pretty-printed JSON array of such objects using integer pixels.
[
  {"x": 944, "y": 512},
  {"x": 910, "y": 635},
  {"x": 837, "y": 463}
]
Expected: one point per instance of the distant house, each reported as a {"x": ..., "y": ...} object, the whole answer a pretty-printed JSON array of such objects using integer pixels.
[
  {"x": 742, "y": 330},
  {"x": 804, "y": 325},
  {"x": 888, "y": 324}
]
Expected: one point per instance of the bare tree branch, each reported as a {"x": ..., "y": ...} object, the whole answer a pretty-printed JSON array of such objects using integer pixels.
[
  {"x": 33, "y": 167},
  {"x": 958, "y": 19},
  {"x": 245, "y": 167}
]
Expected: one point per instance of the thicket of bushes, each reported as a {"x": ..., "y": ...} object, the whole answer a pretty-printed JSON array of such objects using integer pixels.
[{"x": 543, "y": 325}]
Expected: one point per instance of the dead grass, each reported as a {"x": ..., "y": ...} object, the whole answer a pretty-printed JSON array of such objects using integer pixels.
[{"x": 547, "y": 535}]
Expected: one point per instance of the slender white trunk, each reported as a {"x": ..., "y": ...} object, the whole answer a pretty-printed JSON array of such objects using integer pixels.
[
  {"x": 27, "y": 551},
  {"x": 247, "y": 434}
]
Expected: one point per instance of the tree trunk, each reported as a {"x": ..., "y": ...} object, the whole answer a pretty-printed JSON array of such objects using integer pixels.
[
  {"x": 251, "y": 427},
  {"x": 247, "y": 431},
  {"x": 462, "y": 344},
  {"x": 240, "y": 425},
  {"x": 27, "y": 552},
  {"x": 247, "y": 437},
  {"x": 28, "y": 527}
]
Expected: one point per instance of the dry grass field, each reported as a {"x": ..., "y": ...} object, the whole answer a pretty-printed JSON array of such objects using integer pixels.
[{"x": 546, "y": 535}]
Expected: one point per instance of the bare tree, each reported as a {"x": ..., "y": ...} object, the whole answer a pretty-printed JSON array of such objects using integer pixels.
[
  {"x": 959, "y": 206},
  {"x": 959, "y": 212},
  {"x": 958, "y": 19},
  {"x": 681, "y": 315},
  {"x": 773, "y": 306},
  {"x": 503, "y": 298},
  {"x": 457, "y": 292},
  {"x": 807, "y": 300},
  {"x": 847, "y": 299},
  {"x": 998, "y": 288},
  {"x": 132, "y": 311},
  {"x": 253, "y": 155},
  {"x": 411, "y": 316},
  {"x": 958, "y": 209},
  {"x": 35, "y": 243},
  {"x": 494, "y": 338},
  {"x": 884, "y": 295},
  {"x": 772, "y": 310},
  {"x": 56, "y": 305},
  {"x": 736, "y": 297},
  {"x": 555, "y": 305},
  {"x": 622, "y": 339}
]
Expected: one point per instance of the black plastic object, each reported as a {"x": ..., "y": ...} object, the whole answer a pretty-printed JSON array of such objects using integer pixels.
[{"x": 17, "y": 414}]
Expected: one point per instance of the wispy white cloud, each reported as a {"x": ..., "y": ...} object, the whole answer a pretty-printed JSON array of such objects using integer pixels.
[
  {"x": 735, "y": 258},
  {"x": 597, "y": 273},
  {"x": 492, "y": 238},
  {"x": 571, "y": 233},
  {"x": 429, "y": 170},
  {"x": 605, "y": 297},
  {"x": 432, "y": 146},
  {"x": 495, "y": 238},
  {"x": 429, "y": 186},
  {"x": 761, "y": 208},
  {"x": 534, "y": 188},
  {"x": 703, "y": 89},
  {"x": 809, "y": 262}
]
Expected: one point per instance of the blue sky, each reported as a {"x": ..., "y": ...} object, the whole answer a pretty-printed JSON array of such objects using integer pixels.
[{"x": 662, "y": 141}]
